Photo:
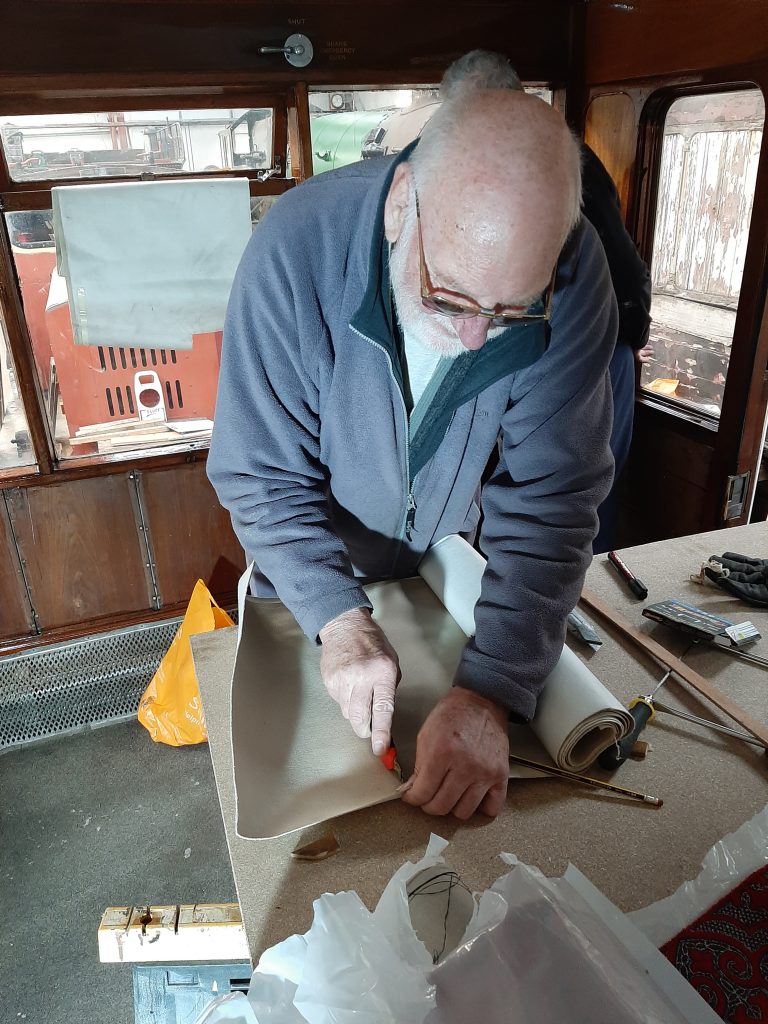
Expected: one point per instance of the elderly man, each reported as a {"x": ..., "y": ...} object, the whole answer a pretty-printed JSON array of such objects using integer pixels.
[{"x": 389, "y": 321}]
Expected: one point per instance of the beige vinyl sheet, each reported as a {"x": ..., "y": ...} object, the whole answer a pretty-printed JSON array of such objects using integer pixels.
[{"x": 297, "y": 761}]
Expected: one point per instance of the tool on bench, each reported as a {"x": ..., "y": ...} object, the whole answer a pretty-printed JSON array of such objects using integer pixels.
[
  {"x": 661, "y": 654},
  {"x": 727, "y": 635},
  {"x": 637, "y": 586},
  {"x": 642, "y": 711},
  {"x": 724, "y": 729},
  {"x": 584, "y": 630},
  {"x": 586, "y": 780}
]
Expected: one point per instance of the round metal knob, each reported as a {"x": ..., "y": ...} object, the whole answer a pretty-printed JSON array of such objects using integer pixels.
[{"x": 298, "y": 50}]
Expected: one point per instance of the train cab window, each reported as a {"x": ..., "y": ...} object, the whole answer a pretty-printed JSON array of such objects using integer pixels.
[
  {"x": 15, "y": 445},
  {"x": 135, "y": 143},
  {"x": 124, "y": 297},
  {"x": 357, "y": 124},
  {"x": 706, "y": 188},
  {"x": 360, "y": 124},
  {"x": 123, "y": 289}
]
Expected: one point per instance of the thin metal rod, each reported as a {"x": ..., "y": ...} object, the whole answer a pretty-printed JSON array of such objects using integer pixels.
[
  {"x": 665, "y": 709},
  {"x": 753, "y": 659},
  {"x": 586, "y": 780},
  {"x": 670, "y": 671}
]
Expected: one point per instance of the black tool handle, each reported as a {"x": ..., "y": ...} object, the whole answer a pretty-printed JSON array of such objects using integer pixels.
[{"x": 618, "y": 753}]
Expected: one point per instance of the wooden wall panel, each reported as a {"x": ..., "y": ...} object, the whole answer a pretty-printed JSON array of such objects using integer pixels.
[
  {"x": 611, "y": 131},
  {"x": 190, "y": 533},
  {"x": 352, "y": 41},
  {"x": 15, "y": 613},
  {"x": 670, "y": 37},
  {"x": 79, "y": 542},
  {"x": 667, "y": 479}
]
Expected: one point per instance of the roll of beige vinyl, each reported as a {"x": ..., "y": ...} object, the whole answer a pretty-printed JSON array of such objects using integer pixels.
[{"x": 297, "y": 761}]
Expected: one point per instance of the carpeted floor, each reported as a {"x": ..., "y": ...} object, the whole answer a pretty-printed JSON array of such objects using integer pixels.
[{"x": 724, "y": 953}]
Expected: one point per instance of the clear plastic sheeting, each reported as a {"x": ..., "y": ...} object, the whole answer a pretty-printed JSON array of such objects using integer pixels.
[
  {"x": 725, "y": 865},
  {"x": 534, "y": 951},
  {"x": 232, "y": 1008}
]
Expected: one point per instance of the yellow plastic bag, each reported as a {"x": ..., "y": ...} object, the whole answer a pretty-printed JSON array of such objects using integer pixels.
[{"x": 170, "y": 708}]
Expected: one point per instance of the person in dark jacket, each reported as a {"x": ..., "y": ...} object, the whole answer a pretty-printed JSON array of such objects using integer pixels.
[{"x": 631, "y": 280}]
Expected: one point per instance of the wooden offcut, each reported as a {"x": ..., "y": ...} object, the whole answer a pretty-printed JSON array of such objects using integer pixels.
[{"x": 172, "y": 933}]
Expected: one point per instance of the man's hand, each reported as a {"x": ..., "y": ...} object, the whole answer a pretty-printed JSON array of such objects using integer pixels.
[
  {"x": 462, "y": 757},
  {"x": 644, "y": 355},
  {"x": 361, "y": 671}
]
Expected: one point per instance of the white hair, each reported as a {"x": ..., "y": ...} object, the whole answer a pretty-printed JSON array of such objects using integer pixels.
[{"x": 477, "y": 71}]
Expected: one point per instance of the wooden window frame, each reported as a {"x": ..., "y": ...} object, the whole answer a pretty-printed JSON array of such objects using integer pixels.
[
  {"x": 643, "y": 214},
  {"x": 289, "y": 118}
]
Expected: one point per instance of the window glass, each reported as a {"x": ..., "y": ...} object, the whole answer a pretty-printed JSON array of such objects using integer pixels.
[
  {"x": 15, "y": 445},
  {"x": 358, "y": 124},
  {"x": 135, "y": 143},
  {"x": 708, "y": 170},
  {"x": 105, "y": 395}
]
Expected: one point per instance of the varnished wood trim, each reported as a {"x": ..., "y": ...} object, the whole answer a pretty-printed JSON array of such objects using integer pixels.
[
  {"x": 107, "y": 624},
  {"x": 21, "y": 352},
  {"x": 648, "y": 38},
  {"x": 37, "y": 195},
  {"x": 103, "y": 465},
  {"x": 92, "y": 94},
  {"x": 300, "y": 133}
]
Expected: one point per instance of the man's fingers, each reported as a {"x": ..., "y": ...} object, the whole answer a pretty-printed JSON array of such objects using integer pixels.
[
  {"x": 359, "y": 710},
  {"x": 454, "y": 797},
  {"x": 427, "y": 780},
  {"x": 473, "y": 798},
  {"x": 447, "y": 796},
  {"x": 381, "y": 719},
  {"x": 494, "y": 800}
]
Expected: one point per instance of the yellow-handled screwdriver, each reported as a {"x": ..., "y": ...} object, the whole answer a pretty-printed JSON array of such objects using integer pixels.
[{"x": 642, "y": 711}]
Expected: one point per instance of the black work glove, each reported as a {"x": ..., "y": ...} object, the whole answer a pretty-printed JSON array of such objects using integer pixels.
[{"x": 740, "y": 575}]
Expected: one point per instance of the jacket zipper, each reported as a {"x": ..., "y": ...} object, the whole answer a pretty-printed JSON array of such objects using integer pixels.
[{"x": 409, "y": 515}]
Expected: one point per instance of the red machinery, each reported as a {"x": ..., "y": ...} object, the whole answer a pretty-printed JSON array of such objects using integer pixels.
[{"x": 96, "y": 382}]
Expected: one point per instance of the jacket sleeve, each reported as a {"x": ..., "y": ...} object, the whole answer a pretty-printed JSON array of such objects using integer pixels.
[
  {"x": 540, "y": 504},
  {"x": 264, "y": 460}
]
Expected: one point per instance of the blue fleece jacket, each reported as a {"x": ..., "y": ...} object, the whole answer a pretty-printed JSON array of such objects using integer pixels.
[{"x": 311, "y": 454}]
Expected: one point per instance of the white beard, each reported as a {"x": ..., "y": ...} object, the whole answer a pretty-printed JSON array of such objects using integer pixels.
[
  {"x": 431, "y": 330},
  {"x": 434, "y": 332}
]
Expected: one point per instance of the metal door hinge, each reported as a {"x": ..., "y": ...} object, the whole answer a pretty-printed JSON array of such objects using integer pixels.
[{"x": 737, "y": 488}]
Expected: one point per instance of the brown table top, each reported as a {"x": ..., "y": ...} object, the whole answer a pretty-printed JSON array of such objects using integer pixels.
[{"x": 633, "y": 852}]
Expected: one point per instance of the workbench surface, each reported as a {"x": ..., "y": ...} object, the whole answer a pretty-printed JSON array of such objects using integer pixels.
[{"x": 633, "y": 852}]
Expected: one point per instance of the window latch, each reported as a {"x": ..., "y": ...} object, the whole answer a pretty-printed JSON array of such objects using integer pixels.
[
  {"x": 298, "y": 50},
  {"x": 737, "y": 488}
]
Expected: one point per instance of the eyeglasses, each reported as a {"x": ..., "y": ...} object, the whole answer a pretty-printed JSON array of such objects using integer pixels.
[{"x": 461, "y": 307}]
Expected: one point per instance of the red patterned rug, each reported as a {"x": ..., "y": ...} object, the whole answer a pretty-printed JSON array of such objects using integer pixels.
[{"x": 724, "y": 954}]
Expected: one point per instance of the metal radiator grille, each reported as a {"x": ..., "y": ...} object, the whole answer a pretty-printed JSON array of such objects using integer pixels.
[{"x": 84, "y": 682}]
